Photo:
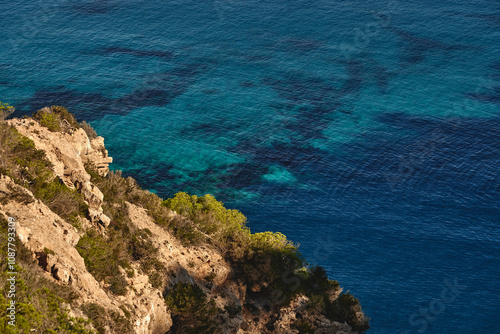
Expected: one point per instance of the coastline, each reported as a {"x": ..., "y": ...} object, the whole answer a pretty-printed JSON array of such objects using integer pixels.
[{"x": 114, "y": 244}]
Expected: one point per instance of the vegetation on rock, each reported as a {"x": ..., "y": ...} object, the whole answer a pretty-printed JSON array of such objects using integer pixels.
[
  {"x": 266, "y": 258},
  {"x": 40, "y": 302},
  {"x": 267, "y": 264},
  {"x": 29, "y": 167},
  {"x": 102, "y": 319},
  {"x": 5, "y": 110},
  {"x": 193, "y": 312},
  {"x": 56, "y": 118}
]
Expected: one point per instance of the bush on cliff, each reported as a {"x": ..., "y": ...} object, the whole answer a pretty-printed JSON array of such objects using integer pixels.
[
  {"x": 269, "y": 259},
  {"x": 102, "y": 318},
  {"x": 5, "y": 110},
  {"x": 56, "y": 118},
  {"x": 125, "y": 243},
  {"x": 103, "y": 257},
  {"x": 192, "y": 312},
  {"x": 225, "y": 229}
]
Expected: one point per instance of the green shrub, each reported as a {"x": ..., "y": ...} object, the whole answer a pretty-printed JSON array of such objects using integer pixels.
[
  {"x": 318, "y": 281},
  {"x": 155, "y": 270},
  {"x": 209, "y": 214},
  {"x": 270, "y": 242},
  {"x": 48, "y": 251},
  {"x": 5, "y": 110},
  {"x": 15, "y": 195},
  {"x": 192, "y": 312},
  {"x": 125, "y": 311},
  {"x": 64, "y": 201},
  {"x": 102, "y": 318},
  {"x": 91, "y": 169},
  {"x": 64, "y": 114},
  {"x": 50, "y": 121},
  {"x": 100, "y": 259},
  {"x": 210, "y": 277},
  {"x": 184, "y": 204},
  {"x": 152, "y": 264},
  {"x": 118, "y": 285},
  {"x": 130, "y": 273},
  {"x": 141, "y": 247},
  {"x": 303, "y": 326},
  {"x": 56, "y": 118},
  {"x": 156, "y": 280},
  {"x": 103, "y": 258},
  {"x": 226, "y": 229}
]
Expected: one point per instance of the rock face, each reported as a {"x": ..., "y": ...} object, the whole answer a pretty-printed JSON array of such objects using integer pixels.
[
  {"x": 69, "y": 152},
  {"x": 53, "y": 241}
]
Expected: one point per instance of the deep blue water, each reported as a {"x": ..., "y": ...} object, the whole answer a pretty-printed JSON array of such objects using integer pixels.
[{"x": 368, "y": 132}]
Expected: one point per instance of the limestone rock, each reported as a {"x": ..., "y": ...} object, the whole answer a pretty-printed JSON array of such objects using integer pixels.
[
  {"x": 52, "y": 241},
  {"x": 69, "y": 152}
]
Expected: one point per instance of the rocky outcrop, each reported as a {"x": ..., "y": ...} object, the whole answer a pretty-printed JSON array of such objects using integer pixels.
[
  {"x": 69, "y": 152},
  {"x": 52, "y": 242}
]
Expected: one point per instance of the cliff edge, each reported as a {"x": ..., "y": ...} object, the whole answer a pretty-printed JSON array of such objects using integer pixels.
[{"x": 96, "y": 253}]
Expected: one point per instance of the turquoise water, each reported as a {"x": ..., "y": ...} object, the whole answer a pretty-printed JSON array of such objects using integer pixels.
[{"x": 367, "y": 132}]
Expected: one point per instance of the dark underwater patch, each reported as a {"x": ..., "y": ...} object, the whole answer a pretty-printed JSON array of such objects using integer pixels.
[
  {"x": 493, "y": 97},
  {"x": 147, "y": 96},
  {"x": 153, "y": 176},
  {"x": 417, "y": 46},
  {"x": 294, "y": 156},
  {"x": 322, "y": 97},
  {"x": 381, "y": 75},
  {"x": 95, "y": 7},
  {"x": 160, "y": 90},
  {"x": 166, "y": 55},
  {"x": 298, "y": 44},
  {"x": 241, "y": 176},
  {"x": 442, "y": 150},
  {"x": 85, "y": 105},
  {"x": 211, "y": 91},
  {"x": 355, "y": 80},
  {"x": 489, "y": 95},
  {"x": 491, "y": 18},
  {"x": 247, "y": 84},
  {"x": 213, "y": 128}
]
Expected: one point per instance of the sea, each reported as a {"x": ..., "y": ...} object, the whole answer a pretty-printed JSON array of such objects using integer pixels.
[{"x": 368, "y": 132}]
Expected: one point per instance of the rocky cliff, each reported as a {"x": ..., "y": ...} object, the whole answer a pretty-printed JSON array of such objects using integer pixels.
[{"x": 113, "y": 258}]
